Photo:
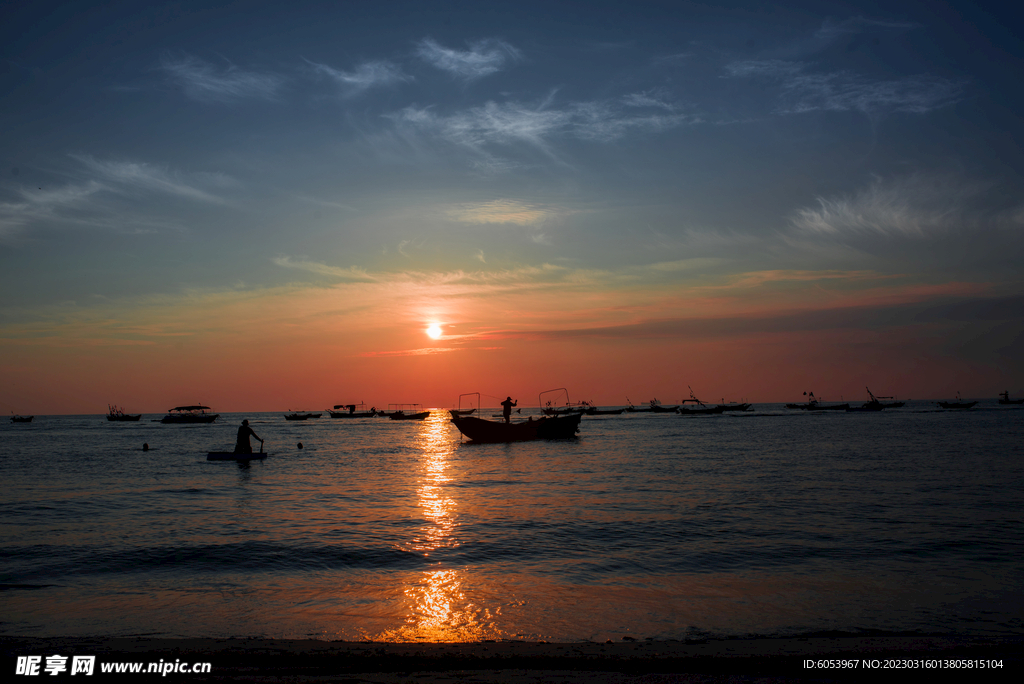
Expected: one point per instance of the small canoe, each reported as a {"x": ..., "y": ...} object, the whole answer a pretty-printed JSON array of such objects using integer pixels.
[{"x": 232, "y": 456}]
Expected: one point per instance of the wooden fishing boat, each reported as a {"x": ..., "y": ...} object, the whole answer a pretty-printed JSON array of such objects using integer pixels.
[
  {"x": 813, "y": 404},
  {"x": 21, "y": 419},
  {"x": 873, "y": 404},
  {"x": 118, "y": 415},
  {"x": 482, "y": 431},
  {"x": 400, "y": 412},
  {"x": 702, "y": 408},
  {"x": 470, "y": 406},
  {"x": 1004, "y": 398},
  {"x": 189, "y": 414},
  {"x": 958, "y": 404},
  {"x": 354, "y": 411},
  {"x": 301, "y": 416},
  {"x": 733, "y": 406},
  {"x": 549, "y": 408},
  {"x": 656, "y": 407}
]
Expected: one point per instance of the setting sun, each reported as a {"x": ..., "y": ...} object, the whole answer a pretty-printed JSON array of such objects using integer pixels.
[{"x": 434, "y": 330}]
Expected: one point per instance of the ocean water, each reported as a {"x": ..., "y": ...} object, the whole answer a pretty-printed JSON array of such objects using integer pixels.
[{"x": 769, "y": 522}]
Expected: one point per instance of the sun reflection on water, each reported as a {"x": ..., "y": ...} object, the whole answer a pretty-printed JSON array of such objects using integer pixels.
[{"x": 438, "y": 609}]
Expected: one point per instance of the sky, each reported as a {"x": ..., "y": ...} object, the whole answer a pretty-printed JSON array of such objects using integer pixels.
[{"x": 263, "y": 206}]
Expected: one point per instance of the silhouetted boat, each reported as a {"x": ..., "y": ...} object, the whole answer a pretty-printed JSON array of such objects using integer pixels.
[
  {"x": 352, "y": 412},
  {"x": 875, "y": 405},
  {"x": 189, "y": 414},
  {"x": 231, "y": 456},
  {"x": 814, "y": 405},
  {"x": 547, "y": 427},
  {"x": 733, "y": 406},
  {"x": 656, "y": 407},
  {"x": 550, "y": 409},
  {"x": 22, "y": 419},
  {"x": 1005, "y": 399},
  {"x": 702, "y": 408},
  {"x": 400, "y": 413},
  {"x": 958, "y": 404},
  {"x": 461, "y": 412},
  {"x": 236, "y": 455},
  {"x": 117, "y": 414},
  {"x": 301, "y": 416},
  {"x": 633, "y": 409}
]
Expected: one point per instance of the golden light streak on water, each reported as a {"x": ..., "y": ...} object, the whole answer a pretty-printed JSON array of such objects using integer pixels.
[{"x": 438, "y": 607}]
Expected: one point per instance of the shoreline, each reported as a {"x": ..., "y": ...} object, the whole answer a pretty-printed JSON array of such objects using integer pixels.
[{"x": 738, "y": 659}]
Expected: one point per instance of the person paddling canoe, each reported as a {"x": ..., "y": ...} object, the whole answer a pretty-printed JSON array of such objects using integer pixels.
[{"x": 242, "y": 445}]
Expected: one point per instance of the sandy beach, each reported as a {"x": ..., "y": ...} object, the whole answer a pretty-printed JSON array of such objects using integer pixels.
[{"x": 761, "y": 660}]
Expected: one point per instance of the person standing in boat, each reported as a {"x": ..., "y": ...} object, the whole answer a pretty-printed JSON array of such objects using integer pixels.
[
  {"x": 242, "y": 445},
  {"x": 506, "y": 408}
]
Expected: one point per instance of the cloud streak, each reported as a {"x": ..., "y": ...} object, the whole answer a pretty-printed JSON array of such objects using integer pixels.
[
  {"x": 513, "y": 123},
  {"x": 804, "y": 91},
  {"x": 204, "y": 82},
  {"x": 374, "y": 74},
  {"x": 483, "y": 58}
]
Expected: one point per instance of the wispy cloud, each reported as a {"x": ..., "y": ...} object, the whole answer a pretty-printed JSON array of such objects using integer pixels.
[
  {"x": 483, "y": 58},
  {"x": 512, "y": 123},
  {"x": 411, "y": 352},
  {"x": 503, "y": 211},
  {"x": 205, "y": 82},
  {"x": 145, "y": 176},
  {"x": 805, "y": 91},
  {"x": 913, "y": 206},
  {"x": 363, "y": 77},
  {"x": 350, "y": 274}
]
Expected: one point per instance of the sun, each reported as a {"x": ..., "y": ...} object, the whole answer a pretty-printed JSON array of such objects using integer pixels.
[{"x": 434, "y": 330}]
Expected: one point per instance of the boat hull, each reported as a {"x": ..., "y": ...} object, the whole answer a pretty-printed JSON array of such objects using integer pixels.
[
  {"x": 184, "y": 420},
  {"x": 231, "y": 456},
  {"x": 483, "y": 431},
  {"x": 124, "y": 418},
  {"x": 409, "y": 416},
  {"x": 957, "y": 405}
]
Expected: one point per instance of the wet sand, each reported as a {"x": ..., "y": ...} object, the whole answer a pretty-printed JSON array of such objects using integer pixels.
[{"x": 646, "y": 662}]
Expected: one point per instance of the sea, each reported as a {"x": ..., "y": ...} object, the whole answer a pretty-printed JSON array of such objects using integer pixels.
[{"x": 770, "y": 522}]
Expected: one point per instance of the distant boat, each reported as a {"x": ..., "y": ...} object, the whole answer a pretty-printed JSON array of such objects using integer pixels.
[
  {"x": 352, "y": 411},
  {"x": 813, "y": 404},
  {"x": 1005, "y": 399},
  {"x": 958, "y": 404},
  {"x": 21, "y": 419},
  {"x": 400, "y": 414},
  {"x": 701, "y": 410},
  {"x": 733, "y": 406},
  {"x": 117, "y": 414},
  {"x": 189, "y": 414},
  {"x": 656, "y": 407},
  {"x": 633, "y": 409},
  {"x": 548, "y": 408},
  {"x": 471, "y": 407},
  {"x": 301, "y": 416},
  {"x": 875, "y": 405},
  {"x": 482, "y": 431}
]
